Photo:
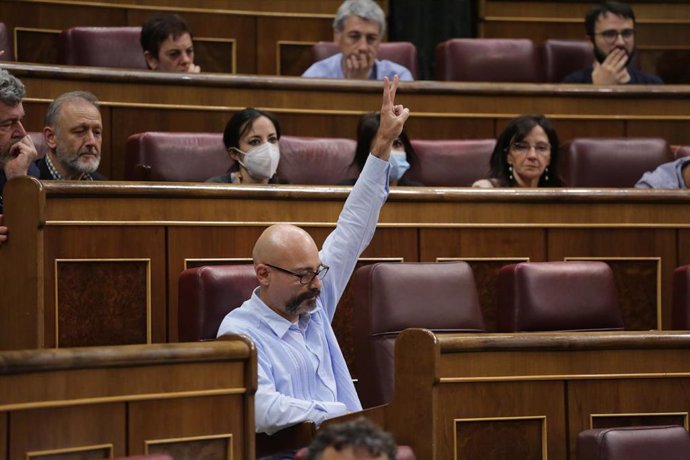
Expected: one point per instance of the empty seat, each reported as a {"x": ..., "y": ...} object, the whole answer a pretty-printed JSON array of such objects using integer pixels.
[
  {"x": 489, "y": 59},
  {"x": 186, "y": 157},
  {"x": 206, "y": 294},
  {"x": 670, "y": 442},
  {"x": 680, "y": 316},
  {"x": 403, "y": 53},
  {"x": 316, "y": 161},
  {"x": 557, "y": 296},
  {"x": 611, "y": 162},
  {"x": 5, "y": 44},
  {"x": 451, "y": 163},
  {"x": 391, "y": 297},
  {"x": 563, "y": 57},
  {"x": 102, "y": 47}
]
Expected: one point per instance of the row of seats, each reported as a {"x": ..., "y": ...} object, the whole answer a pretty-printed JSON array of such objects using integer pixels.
[
  {"x": 458, "y": 59},
  {"x": 586, "y": 162},
  {"x": 546, "y": 296}
]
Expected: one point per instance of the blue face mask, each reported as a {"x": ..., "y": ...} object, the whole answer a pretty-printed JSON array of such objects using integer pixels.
[{"x": 399, "y": 164}]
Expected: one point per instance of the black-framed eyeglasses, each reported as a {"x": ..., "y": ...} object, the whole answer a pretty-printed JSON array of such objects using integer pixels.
[
  {"x": 306, "y": 277},
  {"x": 611, "y": 35}
]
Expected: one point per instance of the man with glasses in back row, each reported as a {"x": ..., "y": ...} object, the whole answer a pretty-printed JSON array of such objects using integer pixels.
[
  {"x": 358, "y": 29},
  {"x": 302, "y": 375},
  {"x": 611, "y": 28}
]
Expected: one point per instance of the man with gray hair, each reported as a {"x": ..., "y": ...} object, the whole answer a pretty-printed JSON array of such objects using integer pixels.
[
  {"x": 73, "y": 133},
  {"x": 358, "y": 29},
  {"x": 17, "y": 150}
]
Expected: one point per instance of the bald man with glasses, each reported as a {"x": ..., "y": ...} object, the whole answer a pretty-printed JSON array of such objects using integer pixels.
[
  {"x": 302, "y": 374},
  {"x": 611, "y": 29}
]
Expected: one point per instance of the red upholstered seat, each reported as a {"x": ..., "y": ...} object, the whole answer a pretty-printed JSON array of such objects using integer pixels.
[
  {"x": 611, "y": 162},
  {"x": 403, "y": 53},
  {"x": 316, "y": 161},
  {"x": 634, "y": 443},
  {"x": 680, "y": 316},
  {"x": 557, "y": 296},
  {"x": 489, "y": 59},
  {"x": 391, "y": 297},
  {"x": 207, "y": 294},
  {"x": 186, "y": 157},
  {"x": 102, "y": 47},
  {"x": 451, "y": 163},
  {"x": 563, "y": 57},
  {"x": 5, "y": 44}
]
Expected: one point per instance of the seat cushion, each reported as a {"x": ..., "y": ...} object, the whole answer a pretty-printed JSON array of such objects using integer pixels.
[
  {"x": 557, "y": 296},
  {"x": 451, "y": 163},
  {"x": 316, "y": 161},
  {"x": 102, "y": 47},
  {"x": 634, "y": 443},
  {"x": 611, "y": 162}
]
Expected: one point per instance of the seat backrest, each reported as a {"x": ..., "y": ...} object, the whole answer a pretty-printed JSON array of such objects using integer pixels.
[
  {"x": 102, "y": 47},
  {"x": 403, "y": 53},
  {"x": 611, "y": 162},
  {"x": 185, "y": 157},
  {"x": 489, "y": 59},
  {"x": 557, "y": 296},
  {"x": 5, "y": 44},
  {"x": 668, "y": 442},
  {"x": 563, "y": 57},
  {"x": 391, "y": 297},
  {"x": 680, "y": 316},
  {"x": 316, "y": 161},
  {"x": 451, "y": 163},
  {"x": 206, "y": 294}
]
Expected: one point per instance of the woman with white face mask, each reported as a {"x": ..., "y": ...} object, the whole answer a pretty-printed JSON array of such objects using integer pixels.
[
  {"x": 251, "y": 139},
  {"x": 402, "y": 156}
]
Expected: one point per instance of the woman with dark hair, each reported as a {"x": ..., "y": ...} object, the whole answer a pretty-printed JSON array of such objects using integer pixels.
[
  {"x": 402, "y": 156},
  {"x": 526, "y": 155},
  {"x": 251, "y": 139}
]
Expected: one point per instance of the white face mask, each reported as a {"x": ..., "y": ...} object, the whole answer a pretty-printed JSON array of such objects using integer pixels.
[
  {"x": 261, "y": 162},
  {"x": 399, "y": 164}
]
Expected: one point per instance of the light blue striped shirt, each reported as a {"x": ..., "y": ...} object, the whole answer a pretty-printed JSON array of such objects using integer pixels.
[
  {"x": 302, "y": 372},
  {"x": 332, "y": 67}
]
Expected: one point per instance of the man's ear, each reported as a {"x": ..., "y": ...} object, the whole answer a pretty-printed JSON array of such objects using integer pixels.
[
  {"x": 49, "y": 136},
  {"x": 263, "y": 274},
  {"x": 151, "y": 61}
]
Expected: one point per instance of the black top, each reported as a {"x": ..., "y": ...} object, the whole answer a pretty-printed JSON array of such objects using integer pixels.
[{"x": 637, "y": 77}]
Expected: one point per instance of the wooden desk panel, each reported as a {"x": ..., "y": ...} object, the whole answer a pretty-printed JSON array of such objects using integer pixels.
[
  {"x": 154, "y": 228},
  {"x": 127, "y": 400},
  {"x": 138, "y": 101},
  {"x": 531, "y": 393}
]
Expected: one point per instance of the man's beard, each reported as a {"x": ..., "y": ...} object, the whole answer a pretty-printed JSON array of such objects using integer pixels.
[
  {"x": 73, "y": 163},
  {"x": 294, "y": 304},
  {"x": 600, "y": 56}
]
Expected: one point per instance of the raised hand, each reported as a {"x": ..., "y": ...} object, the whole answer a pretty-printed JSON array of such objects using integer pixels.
[
  {"x": 3, "y": 231},
  {"x": 613, "y": 70},
  {"x": 393, "y": 118}
]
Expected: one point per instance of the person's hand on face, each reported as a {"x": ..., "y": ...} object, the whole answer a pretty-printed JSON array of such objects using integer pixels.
[
  {"x": 3, "y": 231},
  {"x": 613, "y": 70},
  {"x": 359, "y": 65},
  {"x": 22, "y": 153}
]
